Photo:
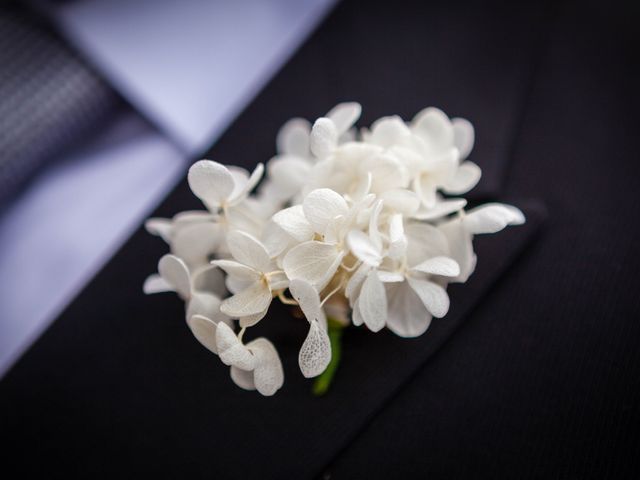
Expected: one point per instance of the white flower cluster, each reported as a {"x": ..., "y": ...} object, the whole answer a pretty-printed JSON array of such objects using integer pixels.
[{"x": 350, "y": 224}]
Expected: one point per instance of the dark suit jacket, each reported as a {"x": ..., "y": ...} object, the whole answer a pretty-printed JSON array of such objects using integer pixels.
[{"x": 534, "y": 373}]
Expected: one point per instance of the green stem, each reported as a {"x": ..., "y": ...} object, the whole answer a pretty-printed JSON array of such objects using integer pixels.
[{"x": 323, "y": 381}]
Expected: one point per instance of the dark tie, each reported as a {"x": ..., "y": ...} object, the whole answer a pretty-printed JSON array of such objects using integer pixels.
[{"x": 49, "y": 99}]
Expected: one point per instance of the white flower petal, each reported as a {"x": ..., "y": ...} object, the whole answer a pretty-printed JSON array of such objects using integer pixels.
[
  {"x": 278, "y": 280},
  {"x": 275, "y": 239},
  {"x": 466, "y": 177},
  {"x": 344, "y": 115},
  {"x": 349, "y": 136},
  {"x": 289, "y": 174},
  {"x": 242, "y": 217},
  {"x": 196, "y": 242},
  {"x": 309, "y": 301},
  {"x": 192, "y": 216},
  {"x": 400, "y": 200},
  {"x": 315, "y": 262},
  {"x": 293, "y": 221},
  {"x": 267, "y": 374},
  {"x": 433, "y": 296},
  {"x": 397, "y": 239},
  {"x": 362, "y": 247},
  {"x": 293, "y": 137},
  {"x": 237, "y": 285},
  {"x": 231, "y": 350},
  {"x": 355, "y": 282},
  {"x": 251, "y": 301},
  {"x": 265, "y": 202},
  {"x": 241, "y": 190},
  {"x": 315, "y": 353},
  {"x": 356, "y": 316},
  {"x": 463, "y": 136},
  {"x": 441, "y": 209},
  {"x": 389, "y": 131},
  {"x": 460, "y": 247},
  {"x": 374, "y": 232},
  {"x": 444, "y": 266},
  {"x": 242, "y": 378},
  {"x": 396, "y": 228},
  {"x": 387, "y": 172},
  {"x": 251, "y": 320},
  {"x": 176, "y": 273},
  {"x": 362, "y": 188},
  {"x": 412, "y": 156},
  {"x": 211, "y": 182},
  {"x": 248, "y": 250},
  {"x": 156, "y": 284},
  {"x": 322, "y": 174},
  {"x": 207, "y": 305},
  {"x": 425, "y": 188},
  {"x": 390, "y": 277},
  {"x": 322, "y": 206},
  {"x": 425, "y": 241},
  {"x": 408, "y": 316},
  {"x": 209, "y": 279},
  {"x": 324, "y": 137},
  {"x": 492, "y": 218},
  {"x": 161, "y": 227},
  {"x": 434, "y": 127},
  {"x": 204, "y": 330},
  {"x": 372, "y": 302},
  {"x": 358, "y": 216},
  {"x": 238, "y": 270},
  {"x": 240, "y": 178}
]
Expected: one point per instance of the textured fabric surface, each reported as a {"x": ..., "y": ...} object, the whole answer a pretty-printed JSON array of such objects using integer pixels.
[
  {"x": 49, "y": 99},
  {"x": 541, "y": 376}
]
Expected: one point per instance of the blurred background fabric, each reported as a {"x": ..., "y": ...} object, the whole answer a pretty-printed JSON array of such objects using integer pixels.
[{"x": 49, "y": 97}]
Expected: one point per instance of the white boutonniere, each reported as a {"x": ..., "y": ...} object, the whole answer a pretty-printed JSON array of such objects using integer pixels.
[{"x": 351, "y": 227}]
